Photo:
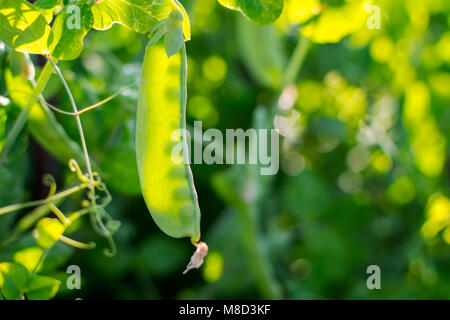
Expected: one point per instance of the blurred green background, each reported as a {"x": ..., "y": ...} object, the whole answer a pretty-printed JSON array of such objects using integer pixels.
[{"x": 364, "y": 158}]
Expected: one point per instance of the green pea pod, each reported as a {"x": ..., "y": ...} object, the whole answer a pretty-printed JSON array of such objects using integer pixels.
[{"x": 167, "y": 186}]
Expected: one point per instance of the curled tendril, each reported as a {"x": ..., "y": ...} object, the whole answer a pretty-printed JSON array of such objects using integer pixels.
[
  {"x": 101, "y": 221},
  {"x": 96, "y": 178},
  {"x": 98, "y": 214},
  {"x": 107, "y": 195},
  {"x": 49, "y": 181},
  {"x": 74, "y": 167},
  {"x": 91, "y": 196},
  {"x": 91, "y": 245},
  {"x": 77, "y": 244},
  {"x": 113, "y": 249}
]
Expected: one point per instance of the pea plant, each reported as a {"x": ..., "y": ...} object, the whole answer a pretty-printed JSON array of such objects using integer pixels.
[{"x": 54, "y": 31}]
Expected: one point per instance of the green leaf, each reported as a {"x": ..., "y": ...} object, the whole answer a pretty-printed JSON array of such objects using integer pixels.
[
  {"x": 23, "y": 27},
  {"x": 13, "y": 279},
  {"x": 262, "y": 51},
  {"x": 42, "y": 288},
  {"x": 47, "y": 8},
  {"x": 138, "y": 15},
  {"x": 69, "y": 29},
  {"x": 47, "y": 4},
  {"x": 48, "y": 231},
  {"x": 261, "y": 12},
  {"x": 29, "y": 257}
]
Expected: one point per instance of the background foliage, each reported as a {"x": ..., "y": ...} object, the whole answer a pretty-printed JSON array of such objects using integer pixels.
[{"x": 364, "y": 174}]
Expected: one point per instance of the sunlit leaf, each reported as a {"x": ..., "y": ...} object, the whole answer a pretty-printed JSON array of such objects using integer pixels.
[
  {"x": 334, "y": 23},
  {"x": 69, "y": 29},
  {"x": 300, "y": 11},
  {"x": 29, "y": 257},
  {"x": 258, "y": 11},
  {"x": 23, "y": 27},
  {"x": 48, "y": 231},
  {"x": 47, "y": 8},
  {"x": 139, "y": 15}
]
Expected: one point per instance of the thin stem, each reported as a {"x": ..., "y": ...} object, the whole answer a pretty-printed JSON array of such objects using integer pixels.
[
  {"x": 41, "y": 258},
  {"x": 30, "y": 219},
  {"x": 23, "y": 116},
  {"x": 95, "y": 218},
  {"x": 296, "y": 62},
  {"x": 88, "y": 108},
  {"x": 78, "y": 214},
  {"x": 75, "y": 110},
  {"x": 56, "y": 109},
  {"x": 26, "y": 223},
  {"x": 94, "y": 215},
  {"x": 33, "y": 272},
  {"x": 60, "y": 215},
  {"x": 258, "y": 261},
  {"x": 100, "y": 103},
  {"x": 42, "y": 100},
  {"x": 60, "y": 195},
  {"x": 77, "y": 244}
]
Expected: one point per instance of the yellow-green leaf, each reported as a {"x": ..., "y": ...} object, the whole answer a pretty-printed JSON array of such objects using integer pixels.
[
  {"x": 138, "y": 15},
  {"x": 29, "y": 257},
  {"x": 23, "y": 27},
  {"x": 47, "y": 8},
  {"x": 48, "y": 231},
  {"x": 334, "y": 23},
  {"x": 69, "y": 29}
]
